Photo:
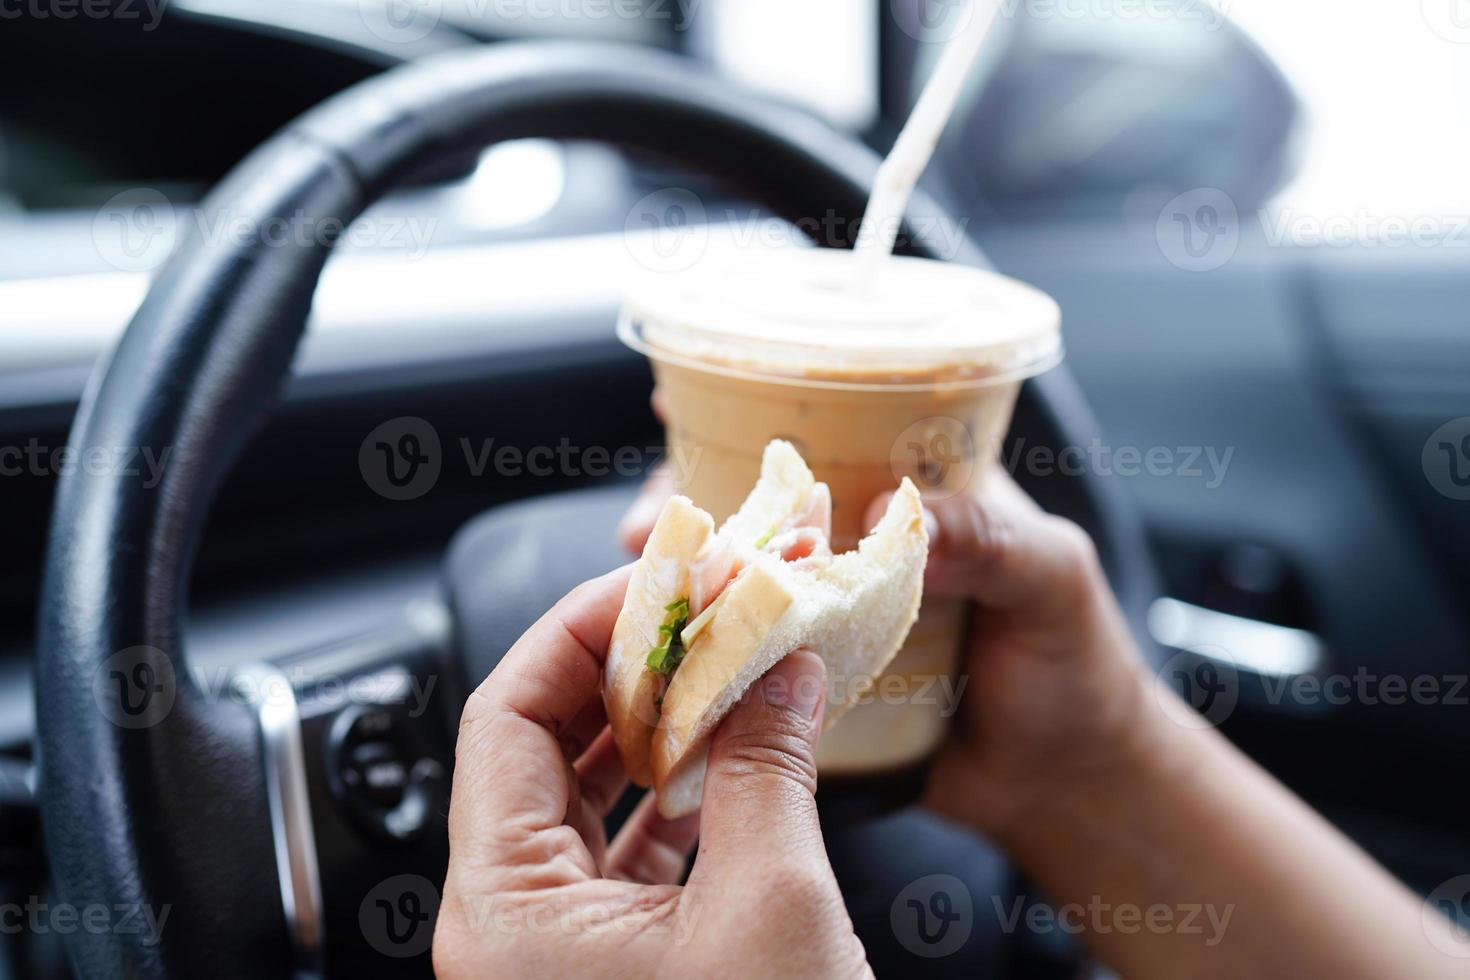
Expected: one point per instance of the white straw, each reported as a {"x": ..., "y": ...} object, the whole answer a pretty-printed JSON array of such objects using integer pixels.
[{"x": 899, "y": 173}]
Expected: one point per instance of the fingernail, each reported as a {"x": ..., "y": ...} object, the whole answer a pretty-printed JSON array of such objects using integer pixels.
[{"x": 797, "y": 682}]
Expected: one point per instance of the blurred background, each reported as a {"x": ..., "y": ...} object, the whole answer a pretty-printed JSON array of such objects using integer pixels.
[{"x": 1254, "y": 214}]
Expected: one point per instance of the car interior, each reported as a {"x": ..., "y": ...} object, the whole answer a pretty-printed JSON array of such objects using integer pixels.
[{"x": 1265, "y": 414}]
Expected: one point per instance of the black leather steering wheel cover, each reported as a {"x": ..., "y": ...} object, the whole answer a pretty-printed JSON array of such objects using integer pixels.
[{"x": 174, "y": 815}]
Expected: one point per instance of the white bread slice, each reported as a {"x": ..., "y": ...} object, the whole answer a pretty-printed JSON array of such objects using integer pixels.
[
  {"x": 660, "y": 576},
  {"x": 783, "y": 486},
  {"x": 853, "y": 613}
]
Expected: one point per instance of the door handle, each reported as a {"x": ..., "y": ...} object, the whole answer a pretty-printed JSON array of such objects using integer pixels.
[{"x": 1245, "y": 644}]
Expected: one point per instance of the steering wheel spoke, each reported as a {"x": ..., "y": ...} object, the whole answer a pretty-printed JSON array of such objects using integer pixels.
[{"x": 357, "y": 745}]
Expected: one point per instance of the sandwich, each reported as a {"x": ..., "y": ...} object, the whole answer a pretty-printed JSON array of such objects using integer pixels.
[{"x": 708, "y": 612}]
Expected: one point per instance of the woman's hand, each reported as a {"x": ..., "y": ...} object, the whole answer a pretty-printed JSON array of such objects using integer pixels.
[
  {"x": 1067, "y": 752},
  {"x": 535, "y": 889},
  {"x": 1056, "y": 689}
]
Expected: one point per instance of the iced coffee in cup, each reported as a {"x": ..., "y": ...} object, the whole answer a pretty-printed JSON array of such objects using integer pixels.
[{"x": 915, "y": 376}]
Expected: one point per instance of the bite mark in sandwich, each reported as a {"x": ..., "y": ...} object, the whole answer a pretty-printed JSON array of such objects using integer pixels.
[{"x": 706, "y": 614}]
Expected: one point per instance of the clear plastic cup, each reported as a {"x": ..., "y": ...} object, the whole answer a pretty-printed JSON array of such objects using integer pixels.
[{"x": 917, "y": 378}]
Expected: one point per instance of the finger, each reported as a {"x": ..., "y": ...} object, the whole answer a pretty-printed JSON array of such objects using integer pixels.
[
  {"x": 583, "y": 817},
  {"x": 997, "y": 485},
  {"x": 590, "y": 722},
  {"x": 660, "y": 406},
  {"x": 1001, "y": 550},
  {"x": 1006, "y": 556},
  {"x": 511, "y": 773},
  {"x": 759, "y": 815},
  {"x": 601, "y": 775},
  {"x": 637, "y": 523},
  {"x": 650, "y": 849}
]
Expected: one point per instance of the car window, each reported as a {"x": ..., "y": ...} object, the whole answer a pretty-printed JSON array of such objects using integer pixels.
[{"x": 1383, "y": 90}]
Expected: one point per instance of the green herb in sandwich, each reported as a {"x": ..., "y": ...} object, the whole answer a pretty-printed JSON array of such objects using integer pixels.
[
  {"x": 665, "y": 657},
  {"x": 765, "y": 539}
]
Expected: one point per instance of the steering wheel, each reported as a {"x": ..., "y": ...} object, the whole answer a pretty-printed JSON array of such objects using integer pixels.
[{"x": 169, "y": 795}]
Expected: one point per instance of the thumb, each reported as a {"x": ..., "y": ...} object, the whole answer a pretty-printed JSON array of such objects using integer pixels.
[
  {"x": 637, "y": 524},
  {"x": 759, "y": 810}
]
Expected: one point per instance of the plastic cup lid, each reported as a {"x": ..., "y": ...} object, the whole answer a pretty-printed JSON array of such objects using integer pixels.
[{"x": 791, "y": 315}]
